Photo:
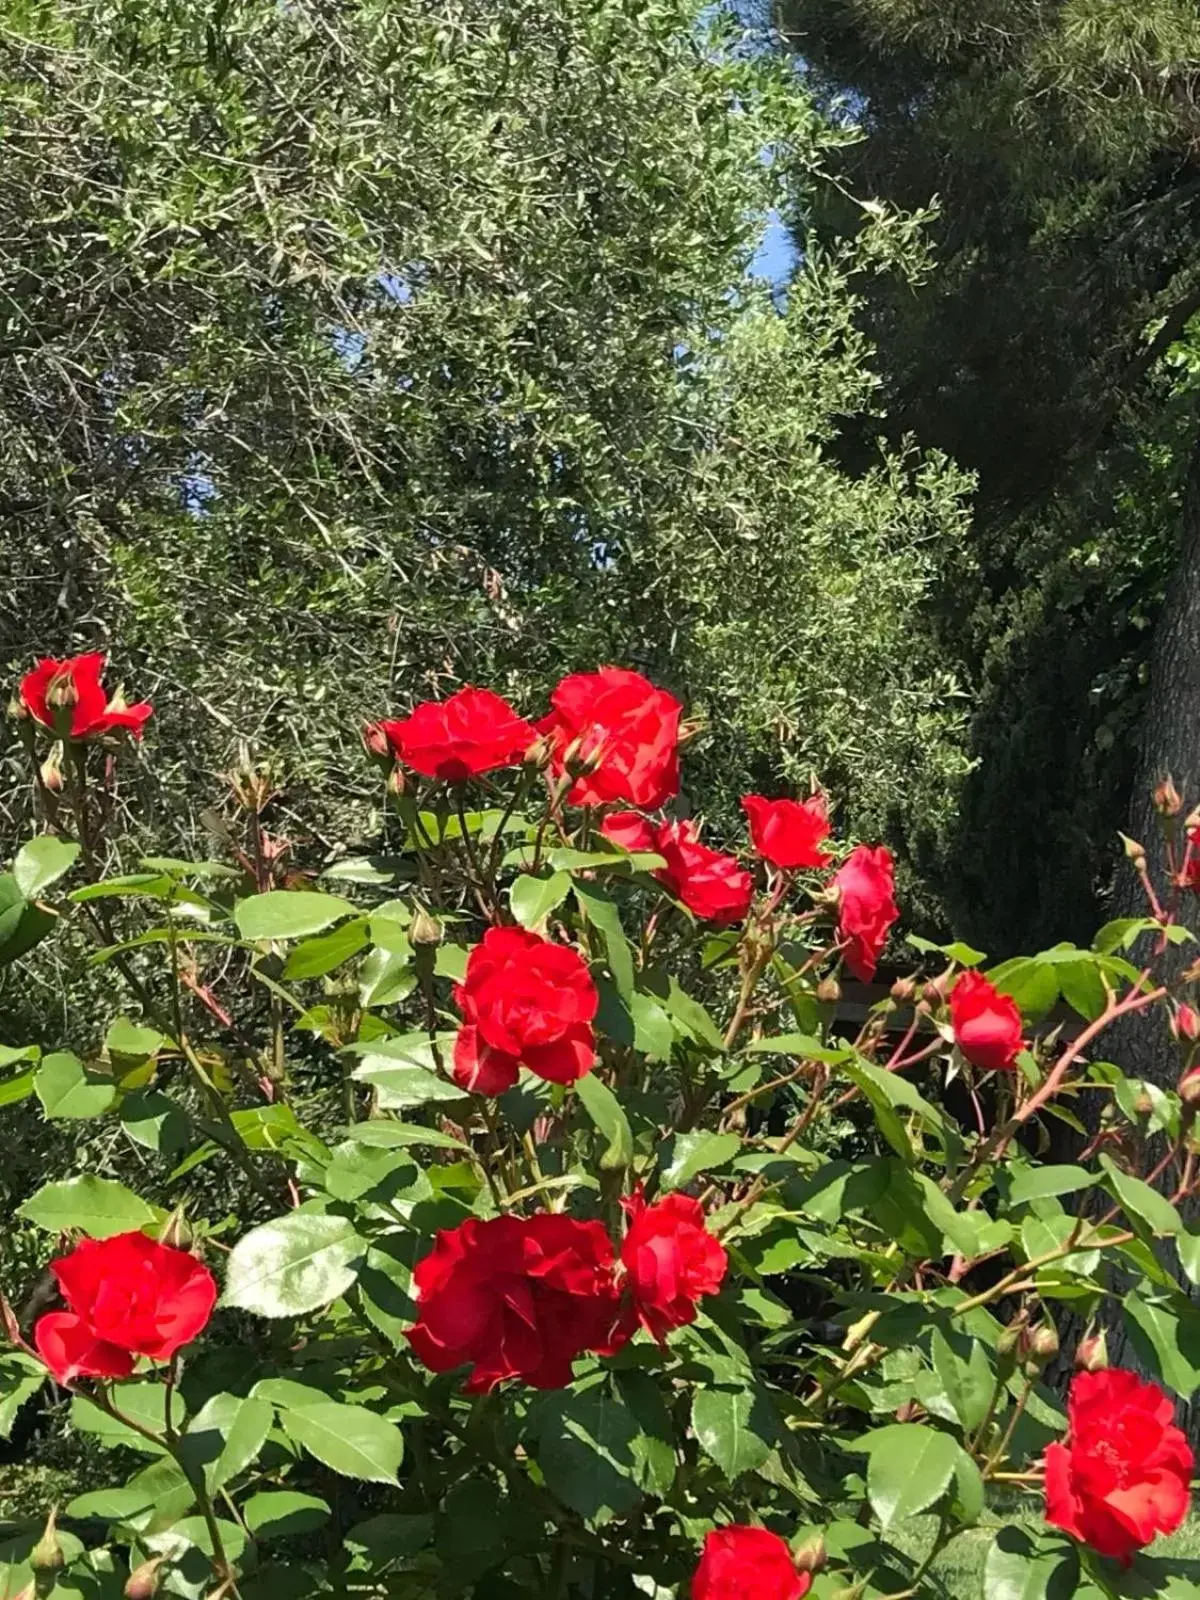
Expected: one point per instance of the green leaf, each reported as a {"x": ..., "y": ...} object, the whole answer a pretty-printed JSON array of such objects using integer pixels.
[
  {"x": 284, "y": 1514},
  {"x": 99, "y": 1207},
  {"x": 734, "y": 1426},
  {"x": 350, "y": 1439},
  {"x": 690, "y": 1154},
  {"x": 602, "y": 1105},
  {"x": 1020, "y": 1566},
  {"x": 293, "y": 1264},
  {"x": 289, "y": 913},
  {"x": 68, "y": 1090},
  {"x": 141, "y": 1402},
  {"x": 1166, "y": 1335},
  {"x": 42, "y": 862},
  {"x": 1036, "y": 1183},
  {"x": 533, "y": 899},
  {"x": 600, "y": 909},
  {"x": 313, "y": 958},
  {"x": 654, "y": 1446},
  {"x": 154, "y": 1120},
  {"x": 802, "y": 1046},
  {"x": 1140, "y": 1200},
  {"x": 386, "y": 1134},
  {"x": 968, "y": 1383},
  {"x": 386, "y": 976},
  {"x": 909, "y": 1467},
  {"x": 652, "y": 1031},
  {"x": 1082, "y": 989},
  {"x": 969, "y": 1493},
  {"x": 14, "y": 1090},
  {"x": 390, "y": 1536},
  {"x": 586, "y": 1450},
  {"x": 241, "y": 1425},
  {"x": 13, "y": 1399},
  {"x": 1033, "y": 985},
  {"x": 398, "y": 1086}
]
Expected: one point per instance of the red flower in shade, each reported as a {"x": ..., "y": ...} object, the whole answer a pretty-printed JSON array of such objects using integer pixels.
[
  {"x": 788, "y": 833},
  {"x": 670, "y": 1261},
  {"x": 1189, "y": 876},
  {"x": 523, "y": 999},
  {"x": 129, "y": 1297},
  {"x": 516, "y": 1297},
  {"x": 624, "y": 729},
  {"x": 866, "y": 909},
  {"x": 68, "y": 698},
  {"x": 747, "y": 1564},
  {"x": 473, "y": 731},
  {"x": 630, "y": 831},
  {"x": 1123, "y": 1473},
  {"x": 986, "y": 1023},
  {"x": 711, "y": 885}
]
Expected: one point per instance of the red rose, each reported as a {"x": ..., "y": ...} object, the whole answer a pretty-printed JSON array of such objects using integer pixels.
[
  {"x": 129, "y": 1297},
  {"x": 670, "y": 1261},
  {"x": 1189, "y": 876},
  {"x": 986, "y": 1023},
  {"x": 788, "y": 833},
  {"x": 866, "y": 909},
  {"x": 711, "y": 885},
  {"x": 1123, "y": 1473},
  {"x": 630, "y": 831},
  {"x": 68, "y": 698},
  {"x": 474, "y": 731},
  {"x": 527, "y": 1000},
  {"x": 623, "y": 725},
  {"x": 747, "y": 1564},
  {"x": 515, "y": 1297}
]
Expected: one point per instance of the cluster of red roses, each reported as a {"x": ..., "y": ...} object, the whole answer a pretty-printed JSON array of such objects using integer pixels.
[
  {"x": 613, "y": 739},
  {"x": 522, "y": 1297}
]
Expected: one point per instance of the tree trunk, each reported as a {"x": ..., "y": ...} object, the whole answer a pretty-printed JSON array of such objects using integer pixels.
[{"x": 1170, "y": 746}]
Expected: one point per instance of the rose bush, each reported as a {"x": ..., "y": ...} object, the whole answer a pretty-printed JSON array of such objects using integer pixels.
[{"x": 578, "y": 1243}]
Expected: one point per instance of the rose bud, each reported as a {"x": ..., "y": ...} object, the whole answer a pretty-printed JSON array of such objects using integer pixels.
[
  {"x": 1091, "y": 1353},
  {"x": 1134, "y": 851},
  {"x": 1188, "y": 1089},
  {"x": 829, "y": 991},
  {"x": 375, "y": 742},
  {"x": 47, "y": 1554},
  {"x": 903, "y": 991},
  {"x": 424, "y": 929},
  {"x": 1142, "y": 1104},
  {"x": 1185, "y": 1024},
  {"x": 51, "y": 772},
  {"x": 175, "y": 1231},
  {"x": 142, "y": 1582},
  {"x": 812, "y": 1555},
  {"x": 17, "y": 709},
  {"x": 1040, "y": 1345},
  {"x": 1167, "y": 800}
]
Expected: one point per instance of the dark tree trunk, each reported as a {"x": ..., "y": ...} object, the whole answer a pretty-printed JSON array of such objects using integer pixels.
[{"x": 1170, "y": 746}]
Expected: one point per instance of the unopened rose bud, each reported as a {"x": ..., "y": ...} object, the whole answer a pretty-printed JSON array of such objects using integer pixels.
[
  {"x": 1091, "y": 1353},
  {"x": 1142, "y": 1104},
  {"x": 17, "y": 709},
  {"x": 375, "y": 742},
  {"x": 397, "y": 783},
  {"x": 51, "y": 772},
  {"x": 539, "y": 752},
  {"x": 829, "y": 991},
  {"x": 936, "y": 990},
  {"x": 47, "y": 1554},
  {"x": 1185, "y": 1024},
  {"x": 1188, "y": 1089},
  {"x": 580, "y": 761},
  {"x": 903, "y": 991},
  {"x": 61, "y": 691},
  {"x": 1009, "y": 1338},
  {"x": 687, "y": 732},
  {"x": 1167, "y": 799},
  {"x": 1043, "y": 1343},
  {"x": 142, "y": 1582},
  {"x": 1134, "y": 851},
  {"x": 424, "y": 929},
  {"x": 1192, "y": 820},
  {"x": 175, "y": 1231},
  {"x": 812, "y": 1555}
]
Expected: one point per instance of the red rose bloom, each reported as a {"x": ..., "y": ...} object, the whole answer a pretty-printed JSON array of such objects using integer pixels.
[
  {"x": 516, "y": 1297},
  {"x": 747, "y": 1564},
  {"x": 711, "y": 885},
  {"x": 68, "y": 698},
  {"x": 474, "y": 731},
  {"x": 524, "y": 999},
  {"x": 1189, "y": 875},
  {"x": 866, "y": 909},
  {"x": 1123, "y": 1473},
  {"x": 627, "y": 727},
  {"x": 670, "y": 1261},
  {"x": 129, "y": 1297},
  {"x": 986, "y": 1023},
  {"x": 630, "y": 831},
  {"x": 788, "y": 833}
]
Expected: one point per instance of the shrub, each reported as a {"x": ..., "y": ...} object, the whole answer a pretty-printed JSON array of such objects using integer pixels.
[{"x": 540, "y": 1273}]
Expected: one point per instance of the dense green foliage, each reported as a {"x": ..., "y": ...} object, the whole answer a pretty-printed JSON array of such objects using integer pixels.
[
  {"x": 1058, "y": 141},
  {"x": 353, "y": 350}
]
